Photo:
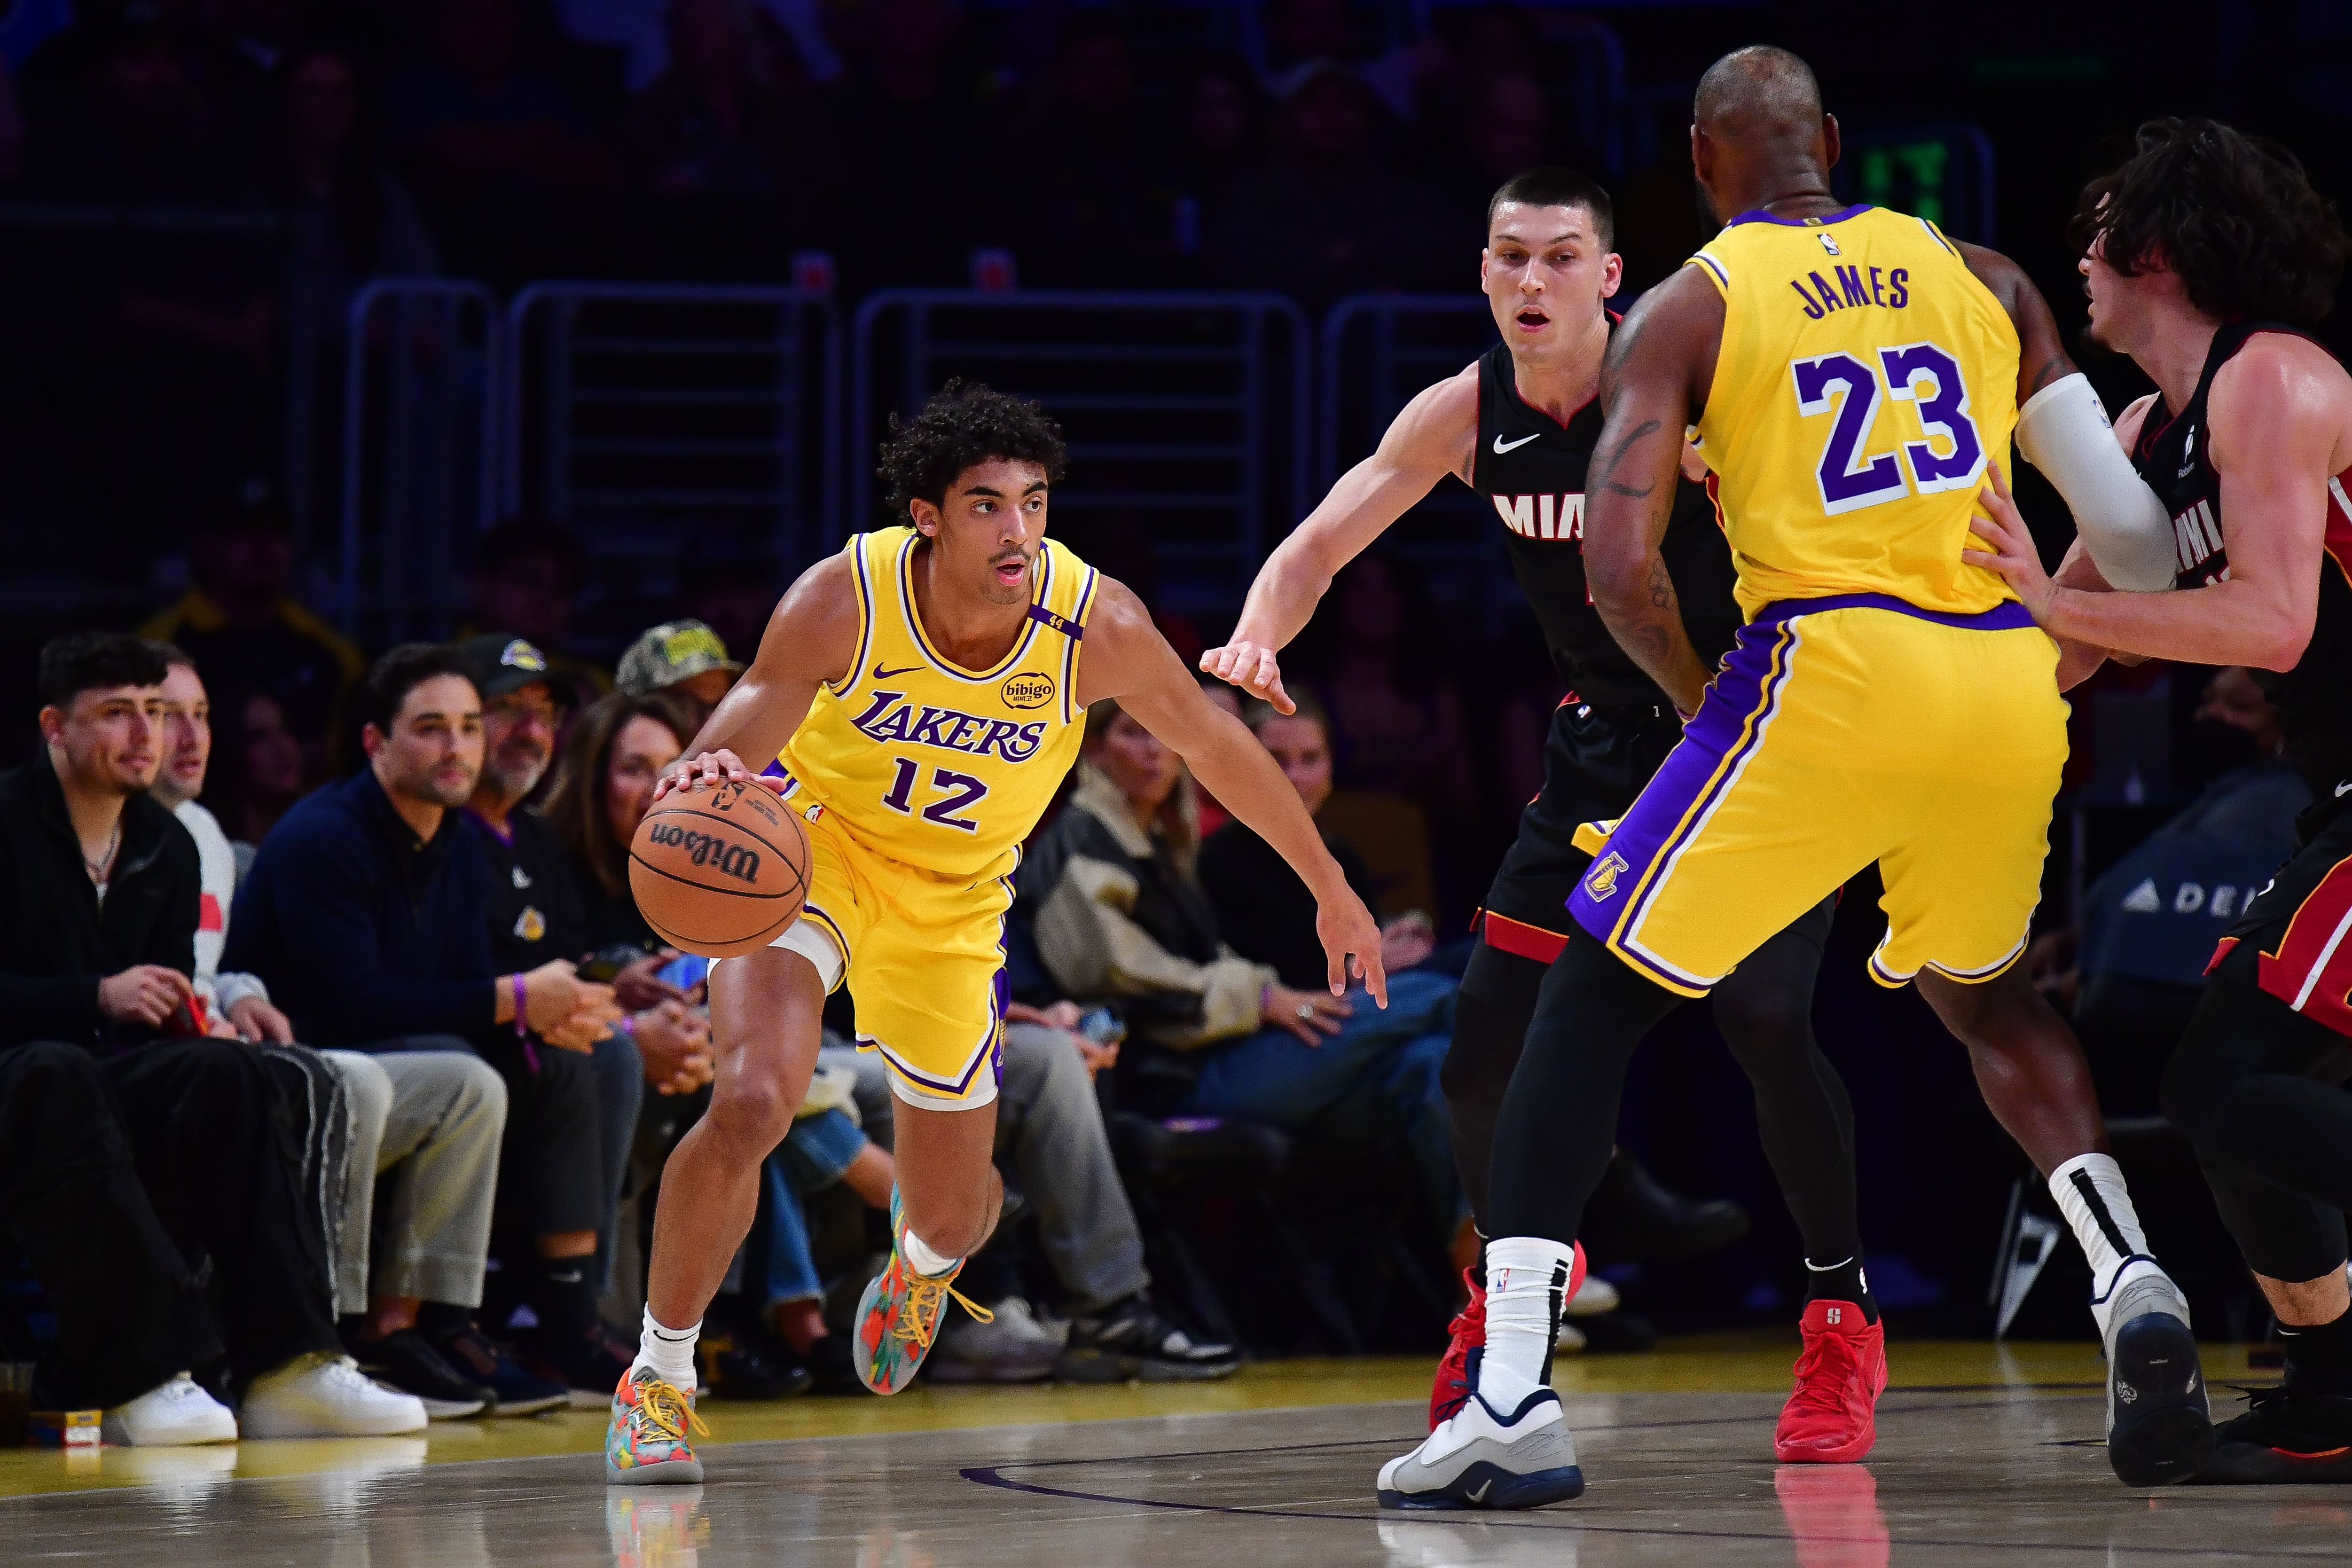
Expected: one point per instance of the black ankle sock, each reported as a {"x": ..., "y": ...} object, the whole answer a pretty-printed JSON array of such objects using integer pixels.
[
  {"x": 563, "y": 1294},
  {"x": 437, "y": 1320},
  {"x": 2323, "y": 1353},
  {"x": 1841, "y": 1282}
]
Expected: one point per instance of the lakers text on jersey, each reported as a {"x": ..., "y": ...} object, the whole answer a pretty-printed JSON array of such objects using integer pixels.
[
  {"x": 918, "y": 780},
  {"x": 1886, "y": 700}
]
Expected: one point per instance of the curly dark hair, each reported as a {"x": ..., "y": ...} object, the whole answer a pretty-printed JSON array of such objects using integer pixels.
[
  {"x": 2233, "y": 214},
  {"x": 964, "y": 424}
]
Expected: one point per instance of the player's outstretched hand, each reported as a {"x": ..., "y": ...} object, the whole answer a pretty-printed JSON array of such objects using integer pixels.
[
  {"x": 1351, "y": 944},
  {"x": 1254, "y": 667},
  {"x": 710, "y": 768},
  {"x": 2009, "y": 546}
]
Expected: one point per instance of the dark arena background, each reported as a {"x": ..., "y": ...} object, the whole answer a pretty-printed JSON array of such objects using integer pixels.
[{"x": 331, "y": 325}]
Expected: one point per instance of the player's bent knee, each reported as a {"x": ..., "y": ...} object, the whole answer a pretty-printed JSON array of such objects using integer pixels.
[{"x": 752, "y": 1114}]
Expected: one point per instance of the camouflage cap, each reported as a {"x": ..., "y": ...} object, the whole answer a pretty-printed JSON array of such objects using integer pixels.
[{"x": 671, "y": 652}]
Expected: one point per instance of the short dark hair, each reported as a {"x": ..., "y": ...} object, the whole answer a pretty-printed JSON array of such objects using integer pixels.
[
  {"x": 173, "y": 654},
  {"x": 91, "y": 662},
  {"x": 2232, "y": 215},
  {"x": 1557, "y": 185},
  {"x": 964, "y": 424},
  {"x": 392, "y": 678}
]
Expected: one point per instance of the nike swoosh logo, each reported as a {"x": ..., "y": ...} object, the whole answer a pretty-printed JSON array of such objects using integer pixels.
[
  {"x": 1484, "y": 1488},
  {"x": 2344, "y": 788},
  {"x": 1502, "y": 446},
  {"x": 882, "y": 674}
]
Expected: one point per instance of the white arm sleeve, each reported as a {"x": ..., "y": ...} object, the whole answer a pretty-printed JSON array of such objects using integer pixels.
[{"x": 2064, "y": 431}]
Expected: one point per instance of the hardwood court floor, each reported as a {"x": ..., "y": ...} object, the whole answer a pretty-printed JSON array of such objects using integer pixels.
[{"x": 1985, "y": 1455}]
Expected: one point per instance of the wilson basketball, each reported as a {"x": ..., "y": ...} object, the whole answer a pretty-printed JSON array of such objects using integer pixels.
[{"x": 719, "y": 870}]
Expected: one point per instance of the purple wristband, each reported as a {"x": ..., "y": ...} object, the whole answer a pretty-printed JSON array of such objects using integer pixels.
[{"x": 522, "y": 1024}]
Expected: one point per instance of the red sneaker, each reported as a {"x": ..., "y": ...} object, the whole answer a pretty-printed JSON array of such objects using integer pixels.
[
  {"x": 1457, "y": 1373},
  {"x": 1831, "y": 1417}
]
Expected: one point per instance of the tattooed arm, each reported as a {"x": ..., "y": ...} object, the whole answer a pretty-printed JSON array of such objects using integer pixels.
[{"x": 1651, "y": 384}]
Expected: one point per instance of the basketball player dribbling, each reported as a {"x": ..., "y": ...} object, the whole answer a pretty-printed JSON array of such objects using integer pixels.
[
  {"x": 2208, "y": 258},
  {"x": 1855, "y": 378},
  {"x": 922, "y": 693}
]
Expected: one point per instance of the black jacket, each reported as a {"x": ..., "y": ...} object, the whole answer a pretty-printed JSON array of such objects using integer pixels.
[
  {"x": 363, "y": 931},
  {"x": 56, "y": 941},
  {"x": 1263, "y": 909}
]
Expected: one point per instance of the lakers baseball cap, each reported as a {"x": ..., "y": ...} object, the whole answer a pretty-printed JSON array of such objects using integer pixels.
[
  {"x": 671, "y": 652},
  {"x": 499, "y": 665}
]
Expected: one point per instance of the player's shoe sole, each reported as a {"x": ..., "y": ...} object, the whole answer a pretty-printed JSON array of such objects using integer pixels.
[
  {"x": 1486, "y": 1485},
  {"x": 2160, "y": 1430}
]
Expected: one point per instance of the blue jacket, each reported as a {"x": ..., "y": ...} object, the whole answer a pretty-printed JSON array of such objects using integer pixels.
[{"x": 363, "y": 931}]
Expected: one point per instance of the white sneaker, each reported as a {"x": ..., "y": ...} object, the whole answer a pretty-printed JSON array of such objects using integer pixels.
[
  {"x": 1478, "y": 1458},
  {"x": 1592, "y": 1298},
  {"x": 1016, "y": 1347},
  {"x": 176, "y": 1413},
  {"x": 327, "y": 1395}
]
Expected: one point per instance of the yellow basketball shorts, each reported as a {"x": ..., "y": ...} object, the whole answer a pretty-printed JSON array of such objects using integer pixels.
[
  {"x": 923, "y": 956},
  {"x": 1840, "y": 731}
]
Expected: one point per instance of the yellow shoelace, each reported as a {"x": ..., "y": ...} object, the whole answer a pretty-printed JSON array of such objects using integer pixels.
[
  {"x": 667, "y": 1411},
  {"x": 926, "y": 1298}
]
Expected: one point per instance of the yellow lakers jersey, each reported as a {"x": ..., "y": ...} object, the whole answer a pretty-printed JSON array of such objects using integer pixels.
[
  {"x": 1865, "y": 381},
  {"x": 924, "y": 762}
]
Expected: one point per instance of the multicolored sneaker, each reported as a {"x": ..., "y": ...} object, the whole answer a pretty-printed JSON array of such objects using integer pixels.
[
  {"x": 646, "y": 1444},
  {"x": 1465, "y": 1345},
  {"x": 899, "y": 1315}
]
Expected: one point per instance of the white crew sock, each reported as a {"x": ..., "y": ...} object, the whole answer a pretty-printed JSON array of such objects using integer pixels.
[
  {"x": 669, "y": 1352},
  {"x": 922, "y": 1259},
  {"x": 1526, "y": 1284},
  {"x": 2103, "y": 1219}
]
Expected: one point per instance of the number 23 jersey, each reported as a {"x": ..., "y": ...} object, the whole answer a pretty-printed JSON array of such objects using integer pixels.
[
  {"x": 1865, "y": 380},
  {"x": 923, "y": 761}
]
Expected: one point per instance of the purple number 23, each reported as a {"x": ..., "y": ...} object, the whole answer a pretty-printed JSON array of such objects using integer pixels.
[{"x": 1921, "y": 375}]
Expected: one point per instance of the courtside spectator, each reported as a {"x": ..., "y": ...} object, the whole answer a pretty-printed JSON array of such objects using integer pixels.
[
  {"x": 730, "y": 117},
  {"x": 534, "y": 914},
  {"x": 367, "y": 914},
  {"x": 1120, "y": 913},
  {"x": 242, "y": 625},
  {"x": 1258, "y": 897},
  {"x": 426, "y": 1123},
  {"x": 612, "y": 756},
  {"x": 143, "y": 1140},
  {"x": 259, "y": 773},
  {"x": 685, "y": 659}
]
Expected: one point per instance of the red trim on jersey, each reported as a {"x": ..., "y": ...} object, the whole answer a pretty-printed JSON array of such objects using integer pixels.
[
  {"x": 1520, "y": 939},
  {"x": 2337, "y": 540},
  {"x": 2312, "y": 970},
  {"x": 2220, "y": 950}
]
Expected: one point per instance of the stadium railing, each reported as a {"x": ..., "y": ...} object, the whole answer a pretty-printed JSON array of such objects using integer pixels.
[
  {"x": 1192, "y": 409},
  {"x": 419, "y": 450},
  {"x": 635, "y": 413}
]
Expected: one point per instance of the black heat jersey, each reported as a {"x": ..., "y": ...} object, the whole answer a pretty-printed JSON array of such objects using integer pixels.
[
  {"x": 1531, "y": 470},
  {"x": 2315, "y": 698}
]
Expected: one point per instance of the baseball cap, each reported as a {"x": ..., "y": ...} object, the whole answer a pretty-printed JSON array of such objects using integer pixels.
[
  {"x": 499, "y": 665},
  {"x": 671, "y": 652}
]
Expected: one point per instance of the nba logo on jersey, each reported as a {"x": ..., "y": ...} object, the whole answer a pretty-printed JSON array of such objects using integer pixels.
[{"x": 1600, "y": 882}]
